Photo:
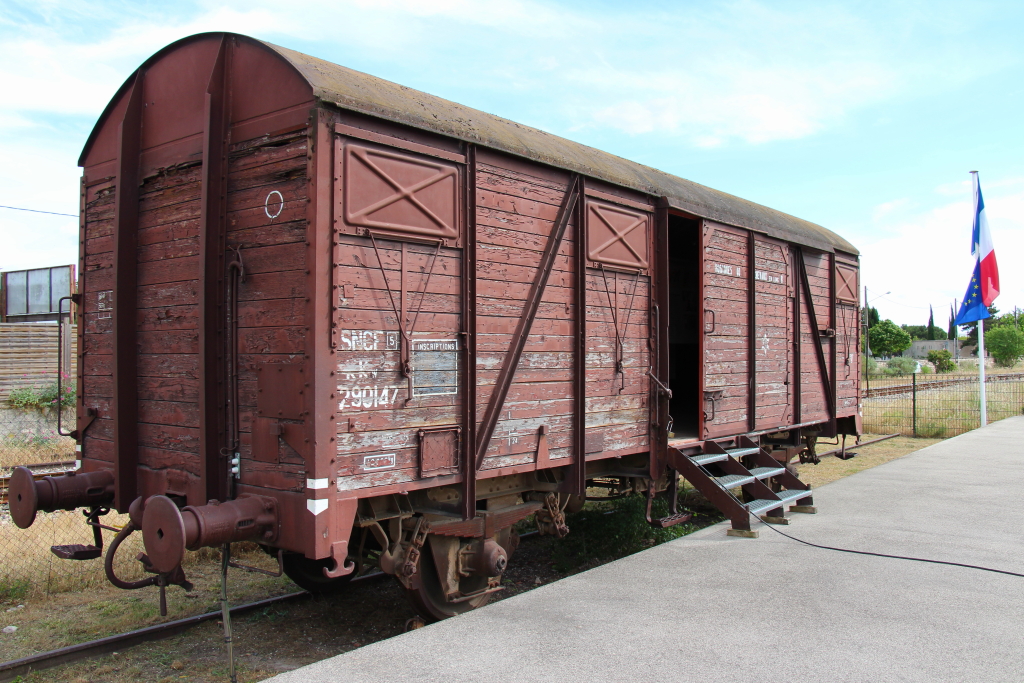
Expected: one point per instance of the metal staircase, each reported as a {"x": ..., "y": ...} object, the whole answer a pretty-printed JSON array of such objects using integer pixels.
[{"x": 716, "y": 467}]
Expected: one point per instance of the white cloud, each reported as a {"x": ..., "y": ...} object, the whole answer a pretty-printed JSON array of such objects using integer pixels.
[{"x": 927, "y": 260}]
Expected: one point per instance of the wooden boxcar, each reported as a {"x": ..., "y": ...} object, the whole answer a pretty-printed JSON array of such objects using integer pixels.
[{"x": 358, "y": 323}]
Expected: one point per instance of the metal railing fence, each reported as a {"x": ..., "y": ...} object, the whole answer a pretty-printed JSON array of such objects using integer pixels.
[{"x": 937, "y": 405}]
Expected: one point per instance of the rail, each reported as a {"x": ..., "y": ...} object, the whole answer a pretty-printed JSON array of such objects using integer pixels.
[
  {"x": 896, "y": 389},
  {"x": 10, "y": 671}
]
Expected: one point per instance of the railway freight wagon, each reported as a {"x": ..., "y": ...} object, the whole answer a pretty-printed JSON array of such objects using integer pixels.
[{"x": 358, "y": 324}]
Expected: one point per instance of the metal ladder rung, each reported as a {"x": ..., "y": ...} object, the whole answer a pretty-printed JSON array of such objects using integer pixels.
[{"x": 742, "y": 452}]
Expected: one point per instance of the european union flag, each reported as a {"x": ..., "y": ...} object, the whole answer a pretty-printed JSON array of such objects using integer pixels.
[{"x": 972, "y": 309}]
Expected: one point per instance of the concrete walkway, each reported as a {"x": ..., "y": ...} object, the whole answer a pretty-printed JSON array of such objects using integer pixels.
[{"x": 709, "y": 607}]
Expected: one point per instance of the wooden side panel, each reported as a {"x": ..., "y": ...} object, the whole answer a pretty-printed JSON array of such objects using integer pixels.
[
  {"x": 168, "y": 286},
  {"x": 97, "y": 310},
  {"x": 725, "y": 329},
  {"x": 398, "y": 313},
  {"x": 848, "y": 330},
  {"x": 517, "y": 205},
  {"x": 617, "y": 412},
  {"x": 813, "y": 400},
  {"x": 380, "y": 410},
  {"x": 772, "y": 333},
  {"x": 266, "y": 228}
]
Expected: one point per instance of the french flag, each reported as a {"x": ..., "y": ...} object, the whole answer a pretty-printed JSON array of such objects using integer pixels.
[{"x": 981, "y": 248}]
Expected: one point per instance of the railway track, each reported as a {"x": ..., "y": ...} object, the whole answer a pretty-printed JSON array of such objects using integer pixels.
[
  {"x": 896, "y": 389},
  {"x": 10, "y": 671},
  {"x": 47, "y": 467}
]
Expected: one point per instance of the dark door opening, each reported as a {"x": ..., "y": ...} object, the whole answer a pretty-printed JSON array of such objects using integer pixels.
[{"x": 684, "y": 319}]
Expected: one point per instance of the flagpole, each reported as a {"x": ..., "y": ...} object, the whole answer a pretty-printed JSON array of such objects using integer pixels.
[{"x": 981, "y": 369}]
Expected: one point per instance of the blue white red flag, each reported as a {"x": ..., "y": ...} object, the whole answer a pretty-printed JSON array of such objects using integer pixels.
[{"x": 987, "y": 274}]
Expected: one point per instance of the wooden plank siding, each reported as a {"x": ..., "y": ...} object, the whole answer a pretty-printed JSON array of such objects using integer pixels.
[
  {"x": 726, "y": 343},
  {"x": 773, "y": 346},
  {"x": 813, "y": 402},
  {"x": 272, "y": 300},
  {"x": 517, "y": 205},
  {"x": 28, "y": 356},
  {"x": 271, "y": 305}
]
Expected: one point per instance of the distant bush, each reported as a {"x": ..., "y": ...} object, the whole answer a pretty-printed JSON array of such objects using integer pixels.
[
  {"x": 942, "y": 360},
  {"x": 871, "y": 366},
  {"x": 901, "y": 366},
  {"x": 43, "y": 396}
]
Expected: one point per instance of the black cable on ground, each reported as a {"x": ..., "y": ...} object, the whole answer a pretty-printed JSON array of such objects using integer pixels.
[
  {"x": 863, "y": 552},
  {"x": 893, "y": 557}
]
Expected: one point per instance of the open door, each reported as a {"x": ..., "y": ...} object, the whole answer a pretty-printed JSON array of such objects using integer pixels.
[
  {"x": 683, "y": 279},
  {"x": 725, "y": 319}
]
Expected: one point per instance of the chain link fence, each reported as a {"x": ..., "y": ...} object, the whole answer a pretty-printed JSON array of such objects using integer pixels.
[
  {"x": 29, "y": 438},
  {"x": 938, "y": 405}
]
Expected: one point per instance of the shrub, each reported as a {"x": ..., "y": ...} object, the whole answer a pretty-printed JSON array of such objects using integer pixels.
[
  {"x": 43, "y": 396},
  {"x": 942, "y": 360},
  {"x": 1006, "y": 344},
  {"x": 870, "y": 366},
  {"x": 901, "y": 366}
]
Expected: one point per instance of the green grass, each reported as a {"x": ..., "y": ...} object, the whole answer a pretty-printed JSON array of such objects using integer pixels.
[
  {"x": 13, "y": 590},
  {"x": 605, "y": 531}
]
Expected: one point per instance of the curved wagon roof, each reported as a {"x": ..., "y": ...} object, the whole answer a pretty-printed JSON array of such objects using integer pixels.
[{"x": 359, "y": 92}]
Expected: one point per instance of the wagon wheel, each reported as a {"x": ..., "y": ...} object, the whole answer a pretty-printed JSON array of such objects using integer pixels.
[
  {"x": 428, "y": 598},
  {"x": 309, "y": 574}
]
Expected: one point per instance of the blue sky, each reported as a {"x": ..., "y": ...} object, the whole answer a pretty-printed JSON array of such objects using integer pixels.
[{"x": 865, "y": 117}]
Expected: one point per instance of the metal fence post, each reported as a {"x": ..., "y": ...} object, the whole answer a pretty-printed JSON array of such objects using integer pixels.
[{"x": 914, "y": 402}]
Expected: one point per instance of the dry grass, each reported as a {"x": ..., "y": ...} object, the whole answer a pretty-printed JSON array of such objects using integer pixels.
[
  {"x": 29, "y": 570},
  {"x": 47, "y": 622},
  {"x": 28, "y": 437},
  {"x": 831, "y": 468}
]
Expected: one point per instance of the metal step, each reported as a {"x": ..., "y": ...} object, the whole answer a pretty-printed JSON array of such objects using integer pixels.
[
  {"x": 767, "y": 472},
  {"x": 707, "y": 458},
  {"x": 76, "y": 551},
  {"x": 793, "y": 494},
  {"x": 731, "y": 481},
  {"x": 756, "y": 507},
  {"x": 742, "y": 452}
]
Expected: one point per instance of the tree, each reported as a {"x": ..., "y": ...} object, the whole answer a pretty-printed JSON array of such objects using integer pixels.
[
  {"x": 951, "y": 331},
  {"x": 942, "y": 360},
  {"x": 931, "y": 323},
  {"x": 1006, "y": 344},
  {"x": 916, "y": 331},
  {"x": 887, "y": 339},
  {"x": 972, "y": 328},
  {"x": 873, "y": 318}
]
